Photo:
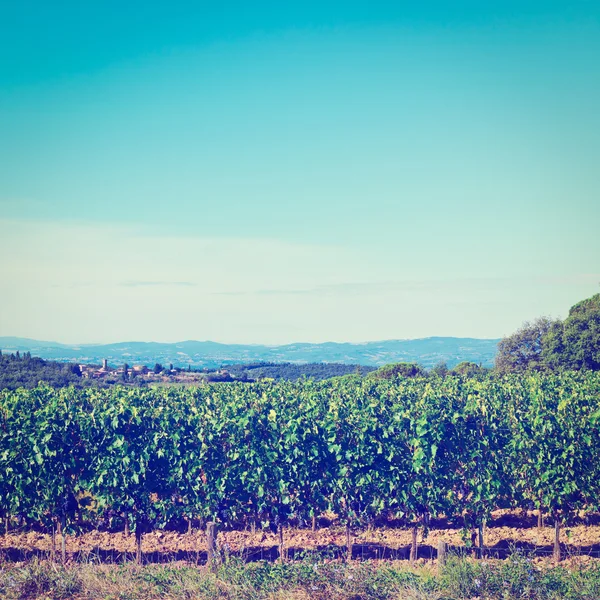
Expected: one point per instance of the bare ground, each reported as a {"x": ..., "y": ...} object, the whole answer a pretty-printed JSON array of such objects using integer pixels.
[{"x": 582, "y": 541}]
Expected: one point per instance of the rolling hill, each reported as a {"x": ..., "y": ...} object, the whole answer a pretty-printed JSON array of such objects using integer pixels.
[{"x": 206, "y": 354}]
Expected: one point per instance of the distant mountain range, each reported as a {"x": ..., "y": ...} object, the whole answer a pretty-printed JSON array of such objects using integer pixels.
[{"x": 425, "y": 351}]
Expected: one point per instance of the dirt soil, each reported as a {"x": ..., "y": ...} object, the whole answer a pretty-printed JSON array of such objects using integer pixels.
[{"x": 380, "y": 542}]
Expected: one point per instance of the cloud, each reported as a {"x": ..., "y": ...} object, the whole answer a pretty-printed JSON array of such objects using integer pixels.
[
  {"x": 157, "y": 283},
  {"x": 73, "y": 285},
  {"x": 573, "y": 279},
  {"x": 361, "y": 288},
  {"x": 98, "y": 282},
  {"x": 357, "y": 288},
  {"x": 330, "y": 289}
]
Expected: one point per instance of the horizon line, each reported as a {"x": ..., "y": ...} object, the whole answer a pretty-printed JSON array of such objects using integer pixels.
[{"x": 92, "y": 344}]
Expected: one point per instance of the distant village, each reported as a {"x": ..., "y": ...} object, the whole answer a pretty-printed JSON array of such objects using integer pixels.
[
  {"x": 23, "y": 370},
  {"x": 158, "y": 374}
]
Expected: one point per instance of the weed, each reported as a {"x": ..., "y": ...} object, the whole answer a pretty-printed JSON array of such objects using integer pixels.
[{"x": 460, "y": 579}]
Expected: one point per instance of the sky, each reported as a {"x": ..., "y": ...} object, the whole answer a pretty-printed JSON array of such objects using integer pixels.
[{"x": 271, "y": 172}]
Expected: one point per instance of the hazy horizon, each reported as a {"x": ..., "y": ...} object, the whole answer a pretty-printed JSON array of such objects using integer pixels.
[
  {"x": 286, "y": 174},
  {"x": 290, "y": 343}
]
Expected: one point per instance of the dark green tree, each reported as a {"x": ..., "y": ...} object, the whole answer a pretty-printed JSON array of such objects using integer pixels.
[
  {"x": 575, "y": 343},
  {"x": 522, "y": 351},
  {"x": 440, "y": 369},
  {"x": 468, "y": 369},
  {"x": 398, "y": 370}
]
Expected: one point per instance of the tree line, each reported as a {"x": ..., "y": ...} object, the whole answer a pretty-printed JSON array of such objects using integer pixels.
[
  {"x": 553, "y": 345},
  {"x": 23, "y": 370}
]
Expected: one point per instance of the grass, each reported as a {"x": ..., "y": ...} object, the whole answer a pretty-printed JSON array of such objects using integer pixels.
[{"x": 460, "y": 579}]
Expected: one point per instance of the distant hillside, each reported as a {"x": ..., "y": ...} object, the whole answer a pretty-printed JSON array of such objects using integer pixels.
[
  {"x": 426, "y": 351},
  {"x": 294, "y": 371}
]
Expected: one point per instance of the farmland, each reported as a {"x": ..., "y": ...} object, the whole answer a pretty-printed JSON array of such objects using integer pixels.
[{"x": 261, "y": 456}]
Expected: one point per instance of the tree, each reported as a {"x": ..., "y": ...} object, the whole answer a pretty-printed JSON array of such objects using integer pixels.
[
  {"x": 75, "y": 369},
  {"x": 522, "y": 351},
  {"x": 468, "y": 369},
  {"x": 575, "y": 343},
  {"x": 440, "y": 369},
  {"x": 398, "y": 370}
]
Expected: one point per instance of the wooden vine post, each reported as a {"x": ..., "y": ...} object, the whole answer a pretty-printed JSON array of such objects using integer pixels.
[
  {"x": 211, "y": 544},
  {"x": 53, "y": 542},
  {"x": 349, "y": 543},
  {"x": 138, "y": 542},
  {"x": 281, "y": 545},
  {"x": 63, "y": 541},
  {"x": 413, "y": 545},
  {"x": 442, "y": 553},
  {"x": 481, "y": 539},
  {"x": 556, "y": 538}
]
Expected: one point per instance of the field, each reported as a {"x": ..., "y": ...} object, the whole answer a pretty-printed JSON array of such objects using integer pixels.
[{"x": 403, "y": 464}]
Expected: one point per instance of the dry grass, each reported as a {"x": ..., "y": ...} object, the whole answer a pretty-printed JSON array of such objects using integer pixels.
[{"x": 300, "y": 580}]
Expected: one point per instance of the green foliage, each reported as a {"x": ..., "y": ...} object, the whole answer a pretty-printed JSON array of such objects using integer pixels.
[
  {"x": 469, "y": 369},
  {"x": 358, "y": 435},
  {"x": 42, "y": 453},
  {"x": 132, "y": 440},
  {"x": 522, "y": 351},
  {"x": 575, "y": 343},
  {"x": 481, "y": 475},
  {"x": 25, "y": 371},
  {"x": 554, "y": 440},
  {"x": 398, "y": 370},
  {"x": 440, "y": 369},
  {"x": 517, "y": 577},
  {"x": 293, "y": 371},
  {"x": 549, "y": 345},
  {"x": 268, "y": 451},
  {"x": 423, "y": 458}
]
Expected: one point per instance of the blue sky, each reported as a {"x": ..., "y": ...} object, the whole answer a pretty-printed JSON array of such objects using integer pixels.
[{"x": 276, "y": 172}]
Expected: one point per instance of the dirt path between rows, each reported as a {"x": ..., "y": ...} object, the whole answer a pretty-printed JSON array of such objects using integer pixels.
[{"x": 380, "y": 542}]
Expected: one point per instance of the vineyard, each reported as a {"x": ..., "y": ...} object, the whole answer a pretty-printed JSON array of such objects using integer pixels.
[{"x": 259, "y": 456}]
